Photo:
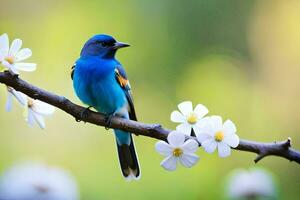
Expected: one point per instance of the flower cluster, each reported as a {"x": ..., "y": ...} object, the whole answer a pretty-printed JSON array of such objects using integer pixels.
[
  {"x": 210, "y": 131},
  {"x": 11, "y": 58}
]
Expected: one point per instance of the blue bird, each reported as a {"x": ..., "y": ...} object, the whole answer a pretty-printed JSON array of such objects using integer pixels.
[{"x": 100, "y": 81}]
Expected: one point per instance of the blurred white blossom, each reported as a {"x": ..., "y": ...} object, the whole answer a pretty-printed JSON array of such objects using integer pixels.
[
  {"x": 188, "y": 117},
  {"x": 255, "y": 183},
  {"x": 214, "y": 134},
  {"x": 11, "y": 56},
  {"x": 177, "y": 149},
  {"x": 36, "y": 181}
]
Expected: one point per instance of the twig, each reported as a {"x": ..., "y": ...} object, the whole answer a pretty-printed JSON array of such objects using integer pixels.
[{"x": 281, "y": 149}]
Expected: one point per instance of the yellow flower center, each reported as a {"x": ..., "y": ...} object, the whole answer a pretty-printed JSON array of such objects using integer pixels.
[
  {"x": 30, "y": 103},
  {"x": 219, "y": 136},
  {"x": 10, "y": 60},
  {"x": 177, "y": 152},
  {"x": 192, "y": 118}
]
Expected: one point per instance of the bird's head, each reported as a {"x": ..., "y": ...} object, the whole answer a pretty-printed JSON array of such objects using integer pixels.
[{"x": 102, "y": 45}]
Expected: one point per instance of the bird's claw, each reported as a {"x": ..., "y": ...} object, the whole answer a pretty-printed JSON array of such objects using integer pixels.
[
  {"x": 84, "y": 114},
  {"x": 108, "y": 119}
]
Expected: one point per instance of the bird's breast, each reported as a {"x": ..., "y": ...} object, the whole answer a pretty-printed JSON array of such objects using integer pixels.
[{"x": 99, "y": 90}]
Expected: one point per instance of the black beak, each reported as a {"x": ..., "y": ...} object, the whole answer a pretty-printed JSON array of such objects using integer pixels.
[{"x": 119, "y": 45}]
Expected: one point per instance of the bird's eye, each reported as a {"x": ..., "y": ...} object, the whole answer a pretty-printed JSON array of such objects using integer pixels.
[{"x": 104, "y": 44}]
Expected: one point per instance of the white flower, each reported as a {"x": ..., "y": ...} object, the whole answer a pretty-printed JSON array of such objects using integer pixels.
[
  {"x": 36, "y": 110},
  {"x": 177, "y": 149},
  {"x": 189, "y": 118},
  {"x": 11, "y": 92},
  {"x": 11, "y": 57},
  {"x": 214, "y": 134},
  {"x": 36, "y": 181},
  {"x": 253, "y": 183}
]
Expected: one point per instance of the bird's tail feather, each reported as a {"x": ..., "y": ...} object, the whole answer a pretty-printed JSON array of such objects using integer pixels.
[{"x": 128, "y": 159}]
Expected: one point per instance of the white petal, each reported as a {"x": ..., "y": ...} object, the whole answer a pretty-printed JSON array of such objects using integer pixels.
[
  {"x": 163, "y": 148},
  {"x": 184, "y": 128},
  {"x": 223, "y": 149},
  {"x": 204, "y": 126},
  {"x": 169, "y": 163},
  {"x": 4, "y": 44},
  {"x": 30, "y": 118},
  {"x": 203, "y": 137},
  {"x": 27, "y": 67},
  {"x": 9, "y": 100},
  {"x": 15, "y": 47},
  {"x": 176, "y": 139},
  {"x": 23, "y": 54},
  {"x": 42, "y": 108},
  {"x": 201, "y": 130},
  {"x": 10, "y": 67},
  {"x": 39, "y": 120},
  {"x": 22, "y": 98},
  {"x": 190, "y": 146},
  {"x": 203, "y": 122},
  {"x": 13, "y": 70},
  {"x": 232, "y": 140},
  {"x": 176, "y": 116},
  {"x": 185, "y": 107},
  {"x": 201, "y": 110},
  {"x": 209, "y": 145},
  {"x": 216, "y": 122},
  {"x": 188, "y": 160},
  {"x": 229, "y": 127}
]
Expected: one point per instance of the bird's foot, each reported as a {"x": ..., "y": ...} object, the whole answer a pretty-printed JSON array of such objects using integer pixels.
[
  {"x": 108, "y": 119},
  {"x": 84, "y": 114}
]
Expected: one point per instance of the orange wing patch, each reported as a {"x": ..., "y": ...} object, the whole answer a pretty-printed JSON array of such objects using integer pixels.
[{"x": 122, "y": 81}]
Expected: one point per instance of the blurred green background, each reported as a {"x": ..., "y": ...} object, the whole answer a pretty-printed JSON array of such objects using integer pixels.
[{"x": 239, "y": 58}]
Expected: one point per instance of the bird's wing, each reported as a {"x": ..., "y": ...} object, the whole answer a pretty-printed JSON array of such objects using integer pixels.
[
  {"x": 121, "y": 78},
  {"x": 72, "y": 70}
]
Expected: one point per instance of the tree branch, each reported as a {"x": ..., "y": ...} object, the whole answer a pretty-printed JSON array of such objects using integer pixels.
[{"x": 281, "y": 149}]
